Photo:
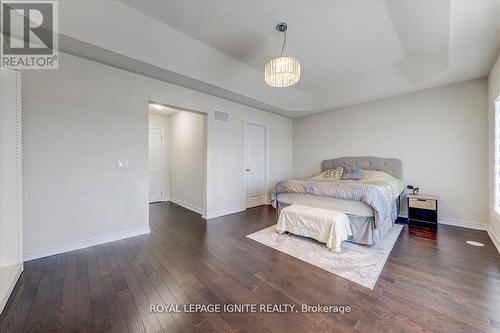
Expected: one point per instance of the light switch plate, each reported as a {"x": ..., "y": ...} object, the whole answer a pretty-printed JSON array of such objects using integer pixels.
[{"x": 122, "y": 164}]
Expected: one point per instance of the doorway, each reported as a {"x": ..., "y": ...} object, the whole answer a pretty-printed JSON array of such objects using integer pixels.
[
  {"x": 256, "y": 163},
  {"x": 177, "y": 156}
]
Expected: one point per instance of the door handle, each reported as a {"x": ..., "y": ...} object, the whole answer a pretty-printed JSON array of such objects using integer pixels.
[{"x": 248, "y": 170}]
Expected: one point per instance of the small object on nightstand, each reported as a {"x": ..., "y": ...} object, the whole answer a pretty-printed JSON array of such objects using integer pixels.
[
  {"x": 422, "y": 210},
  {"x": 413, "y": 188}
]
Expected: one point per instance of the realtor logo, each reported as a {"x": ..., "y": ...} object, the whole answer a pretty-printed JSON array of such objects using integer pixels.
[{"x": 29, "y": 34}]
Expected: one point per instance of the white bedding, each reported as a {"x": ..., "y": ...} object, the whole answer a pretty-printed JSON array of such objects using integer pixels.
[
  {"x": 324, "y": 225},
  {"x": 373, "y": 177},
  {"x": 351, "y": 207}
]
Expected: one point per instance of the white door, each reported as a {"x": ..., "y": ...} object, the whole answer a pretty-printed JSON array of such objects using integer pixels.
[
  {"x": 256, "y": 164},
  {"x": 156, "y": 171}
]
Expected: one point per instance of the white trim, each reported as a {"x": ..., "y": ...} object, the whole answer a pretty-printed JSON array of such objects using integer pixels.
[
  {"x": 223, "y": 212},
  {"x": 463, "y": 224},
  {"x": 11, "y": 286},
  {"x": 494, "y": 238},
  {"x": 266, "y": 168},
  {"x": 72, "y": 246},
  {"x": 186, "y": 205},
  {"x": 456, "y": 222}
]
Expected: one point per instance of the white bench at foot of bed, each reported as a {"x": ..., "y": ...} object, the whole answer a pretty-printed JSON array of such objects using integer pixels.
[{"x": 324, "y": 225}]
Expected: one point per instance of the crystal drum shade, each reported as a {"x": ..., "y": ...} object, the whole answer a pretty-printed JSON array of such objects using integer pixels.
[{"x": 282, "y": 71}]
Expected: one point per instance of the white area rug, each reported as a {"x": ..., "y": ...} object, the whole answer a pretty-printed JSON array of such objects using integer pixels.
[{"x": 357, "y": 263}]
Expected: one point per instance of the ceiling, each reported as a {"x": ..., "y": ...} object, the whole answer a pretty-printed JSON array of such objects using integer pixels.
[{"x": 350, "y": 51}]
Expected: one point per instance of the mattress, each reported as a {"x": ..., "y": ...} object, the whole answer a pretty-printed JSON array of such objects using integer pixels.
[{"x": 349, "y": 207}]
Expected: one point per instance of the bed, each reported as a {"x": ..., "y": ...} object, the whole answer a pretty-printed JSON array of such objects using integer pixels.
[{"x": 368, "y": 204}]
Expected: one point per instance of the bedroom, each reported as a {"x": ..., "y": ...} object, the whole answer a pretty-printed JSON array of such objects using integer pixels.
[{"x": 393, "y": 92}]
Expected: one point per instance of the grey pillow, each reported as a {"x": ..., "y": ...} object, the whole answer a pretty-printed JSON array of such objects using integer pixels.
[{"x": 352, "y": 173}]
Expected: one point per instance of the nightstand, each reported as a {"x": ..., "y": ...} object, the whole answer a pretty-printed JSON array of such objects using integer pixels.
[{"x": 422, "y": 210}]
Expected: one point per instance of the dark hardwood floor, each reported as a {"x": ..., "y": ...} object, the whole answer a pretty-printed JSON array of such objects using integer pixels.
[{"x": 433, "y": 285}]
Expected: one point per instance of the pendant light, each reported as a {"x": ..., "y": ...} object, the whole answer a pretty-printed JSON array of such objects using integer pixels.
[{"x": 282, "y": 71}]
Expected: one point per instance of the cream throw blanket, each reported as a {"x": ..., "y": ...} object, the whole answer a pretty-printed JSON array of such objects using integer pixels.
[{"x": 326, "y": 226}]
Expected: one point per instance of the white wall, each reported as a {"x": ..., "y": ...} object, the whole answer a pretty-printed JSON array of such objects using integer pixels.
[
  {"x": 438, "y": 134},
  {"x": 163, "y": 122},
  {"x": 188, "y": 147},
  {"x": 493, "y": 94},
  {"x": 226, "y": 156},
  {"x": 81, "y": 118}
]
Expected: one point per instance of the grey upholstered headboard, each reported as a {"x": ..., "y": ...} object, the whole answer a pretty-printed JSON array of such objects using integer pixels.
[{"x": 390, "y": 165}]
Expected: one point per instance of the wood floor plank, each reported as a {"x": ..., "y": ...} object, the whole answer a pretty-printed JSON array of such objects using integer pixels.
[
  {"x": 17, "y": 320},
  {"x": 113, "y": 307},
  {"x": 83, "y": 309},
  {"x": 54, "y": 308},
  {"x": 130, "y": 312},
  {"x": 34, "y": 321},
  {"x": 166, "y": 321},
  {"x": 11, "y": 307},
  {"x": 187, "y": 284},
  {"x": 150, "y": 322},
  {"x": 169, "y": 288},
  {"x": 68, "y": 313},
  {"x": 156, "y": 292},
  {"x": 99, "y": 313}
]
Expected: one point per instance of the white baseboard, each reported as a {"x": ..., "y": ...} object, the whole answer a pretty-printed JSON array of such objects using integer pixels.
[
  {"x": 456, "y": 222},
  {"x": 463, "y": 224},
  {"x": 208, "y": 215},
  {"x": 72, "y": 246},
  {"x": 494, "y": 237},
  {"x": 186, "y": 205},
  {"x": 223, "y": 212}
]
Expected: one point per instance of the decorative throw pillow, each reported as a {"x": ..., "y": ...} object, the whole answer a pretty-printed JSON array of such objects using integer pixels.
[
  {"x": 352, "y": 173},
  {"x": 334, "y": 174}
]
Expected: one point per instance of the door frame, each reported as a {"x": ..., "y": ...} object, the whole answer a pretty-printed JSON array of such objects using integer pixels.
[
  {"x": 162, "y": 130},
  {"x": 266, "y": 163}
]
